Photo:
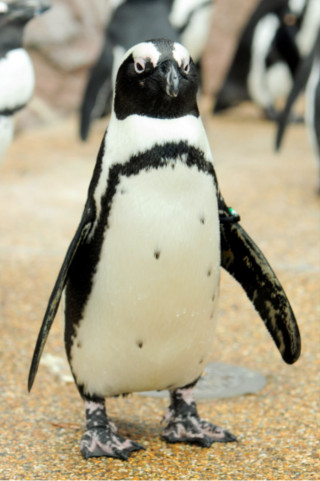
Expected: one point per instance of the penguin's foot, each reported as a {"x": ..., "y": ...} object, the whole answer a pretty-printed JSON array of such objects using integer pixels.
[
  {"x": 103, "y": 441},
  {"x": 274, "y": 115},
  {"x": 184, "y": 424},
  {"x": 101, "y": 438}
]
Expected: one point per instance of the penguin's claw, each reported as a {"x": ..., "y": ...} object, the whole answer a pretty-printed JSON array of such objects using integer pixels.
[
  {"x": 193, "y": 430},
  {"x": 103, "y": 441}
]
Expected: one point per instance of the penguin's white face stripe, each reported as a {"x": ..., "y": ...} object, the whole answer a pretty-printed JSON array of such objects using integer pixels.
[
  {"x": 147, "y": 50},
  {"x": 3, "y": 7},
  {"x": 144, "y": 50},
  {"x": 180, "y": 54}
]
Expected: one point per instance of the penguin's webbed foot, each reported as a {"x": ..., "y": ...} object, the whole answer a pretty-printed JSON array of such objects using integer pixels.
[
  {"x": 101, "y": 439},
  {"x": 184, "y": 424},
  {"x": 195, "y": 431}
]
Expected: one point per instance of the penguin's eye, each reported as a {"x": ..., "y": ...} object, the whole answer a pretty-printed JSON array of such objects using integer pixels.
[
  {"x": 139, "y": 65},
  {"x": 186, "y": 66}
]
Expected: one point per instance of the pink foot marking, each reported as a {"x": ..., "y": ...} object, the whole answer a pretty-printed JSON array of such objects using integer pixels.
[
  {"x": 184, "y": 424},
  {"x": 100, "y": 438}
]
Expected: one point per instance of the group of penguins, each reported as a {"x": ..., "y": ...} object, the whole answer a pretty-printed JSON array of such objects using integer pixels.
[{"x": 140, "y": 278}]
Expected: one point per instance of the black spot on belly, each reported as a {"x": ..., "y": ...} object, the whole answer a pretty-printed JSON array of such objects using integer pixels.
[
  {"x": 123, "y": 191},
  {"x": 79, "y": 345},
  {"x": 213, "y": 296},
  {"x": 140, "y": 344},
  {"x": 202, "y": 219},
  {"x": 156, "y": 254},
  {"x": 209, "y": 272},
  {"x": 201, "y": 361}
]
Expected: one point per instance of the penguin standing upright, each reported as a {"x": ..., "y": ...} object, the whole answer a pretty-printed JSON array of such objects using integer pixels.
[
  {"x": 141, "y": 275},
  {"x": 308, "y": 77},
  {"x": 16, "y": 71},
  {"x": 266, "y": 58},
  {"x": 134, "y": 21}
]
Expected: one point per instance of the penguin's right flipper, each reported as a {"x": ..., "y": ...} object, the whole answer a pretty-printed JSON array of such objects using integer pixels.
[
  {"x": 96, "y": 101},
  {"x": 242, "y": 258},
  {"x": 55, "y": 297}
]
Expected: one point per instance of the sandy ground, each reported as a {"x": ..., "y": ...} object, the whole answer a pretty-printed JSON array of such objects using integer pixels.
[{"x": 43, "y": 186}]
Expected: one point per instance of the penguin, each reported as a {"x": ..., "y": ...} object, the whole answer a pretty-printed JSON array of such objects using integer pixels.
[
  {"x": 308, "y": 79},
  {"x": 141, "y": 275},
  {"x": 134, "y": 21},
  {"x": 16, "y": 70},
  {"x": 266, "y": 58}
]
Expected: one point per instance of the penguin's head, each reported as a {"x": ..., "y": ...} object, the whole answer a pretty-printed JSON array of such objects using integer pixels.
[
  {"x": 17, "y": 13},
  {"x": 157, "y": 79}
]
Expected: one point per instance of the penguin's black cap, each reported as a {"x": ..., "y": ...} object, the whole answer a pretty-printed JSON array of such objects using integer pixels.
[
  {"x": 14, "y": 16},
  {"x": 157, "y": 79}
]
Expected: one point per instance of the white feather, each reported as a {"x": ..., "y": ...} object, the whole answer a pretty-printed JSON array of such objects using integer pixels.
[{"x": 16, "y": 79}]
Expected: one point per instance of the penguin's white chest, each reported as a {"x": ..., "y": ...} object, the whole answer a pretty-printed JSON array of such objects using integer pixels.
[
  {"x": 16, "y": 79},
  {"x": 149, "y": 320}
]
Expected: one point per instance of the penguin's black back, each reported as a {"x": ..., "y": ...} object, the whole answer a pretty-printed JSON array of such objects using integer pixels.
[{"x": 139, "y": 20}]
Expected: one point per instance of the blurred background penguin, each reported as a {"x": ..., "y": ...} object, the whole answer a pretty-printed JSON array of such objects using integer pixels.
[
  {"x": 16, "y": 70},
  {"x": 277, "y": 35}
]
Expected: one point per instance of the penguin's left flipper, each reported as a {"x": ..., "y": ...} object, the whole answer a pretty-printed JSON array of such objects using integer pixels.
[
  {"x": 242, "y": 258},
  {"x": 55, "y": 297}
]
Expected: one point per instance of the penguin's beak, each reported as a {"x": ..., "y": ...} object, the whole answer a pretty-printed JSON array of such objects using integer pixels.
[{"x": 172, "y": 81}]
